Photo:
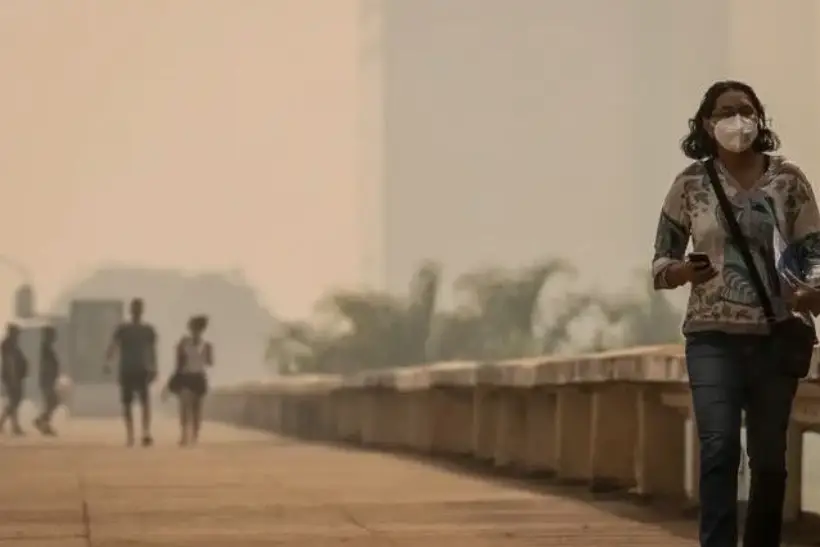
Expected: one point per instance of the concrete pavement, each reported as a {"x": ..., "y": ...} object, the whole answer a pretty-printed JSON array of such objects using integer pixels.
[{"x": 245, "y": 489}]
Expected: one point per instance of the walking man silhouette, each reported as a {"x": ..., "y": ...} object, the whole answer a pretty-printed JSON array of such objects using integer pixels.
[
  {"x": 135, "y": 342},
  {"x": 49, "y": 373}
]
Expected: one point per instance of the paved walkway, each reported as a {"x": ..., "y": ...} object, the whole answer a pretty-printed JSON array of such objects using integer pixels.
[{"x": 246, "y": 489}]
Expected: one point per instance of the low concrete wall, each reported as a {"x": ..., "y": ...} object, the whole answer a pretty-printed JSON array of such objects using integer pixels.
[{"x": 609, "y": 420}]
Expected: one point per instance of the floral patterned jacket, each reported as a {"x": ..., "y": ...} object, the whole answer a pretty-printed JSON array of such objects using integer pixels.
[{"x": 780, "y": 219}]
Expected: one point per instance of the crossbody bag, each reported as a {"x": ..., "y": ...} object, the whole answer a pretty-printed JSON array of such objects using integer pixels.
[{"x": 792, "y": 339}]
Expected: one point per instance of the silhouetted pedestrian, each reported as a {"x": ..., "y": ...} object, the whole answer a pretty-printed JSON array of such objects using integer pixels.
[
  {"x": 189, "y": 382},
  {"x": 49, "y": 373},
  {"x": 135, "y": 342},
  {"x": 14, "y": 371},
  {"x": 748, "y": 327}
]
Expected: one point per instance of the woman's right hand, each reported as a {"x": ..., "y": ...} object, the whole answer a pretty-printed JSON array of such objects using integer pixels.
[{"x": 689, "y": 272}]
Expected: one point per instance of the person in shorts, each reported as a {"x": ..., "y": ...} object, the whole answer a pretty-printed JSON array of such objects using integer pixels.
[
  {"x": 194, "y": 355},
  {"x": 135, "y": 343}
]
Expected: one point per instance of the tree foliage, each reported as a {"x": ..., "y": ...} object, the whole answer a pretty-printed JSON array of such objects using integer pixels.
[{"x": 499, "y": 314}]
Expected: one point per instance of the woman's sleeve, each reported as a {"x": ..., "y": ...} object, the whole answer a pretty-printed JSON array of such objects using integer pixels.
[
  {"x": 672, "y": 235},
  {"x": 804, "y": 218}
]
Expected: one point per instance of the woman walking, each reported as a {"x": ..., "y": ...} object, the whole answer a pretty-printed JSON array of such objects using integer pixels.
[
  {"x": 189, "y": 382},
  {"x": 755, "y": 228}
]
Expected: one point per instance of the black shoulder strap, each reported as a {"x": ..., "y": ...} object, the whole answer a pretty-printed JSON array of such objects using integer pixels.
[{"x": 740, "y": 242}]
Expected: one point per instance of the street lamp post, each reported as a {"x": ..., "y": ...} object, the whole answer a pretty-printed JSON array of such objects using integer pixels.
[{"x": 24, "y": 304}]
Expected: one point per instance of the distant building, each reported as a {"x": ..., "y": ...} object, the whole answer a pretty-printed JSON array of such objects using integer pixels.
[{"x": 240, "y": 324}]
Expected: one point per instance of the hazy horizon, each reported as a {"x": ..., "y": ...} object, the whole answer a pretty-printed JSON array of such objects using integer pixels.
[
  {"x": 223, "y": 135},
  {"x": 180, "y": 135}
]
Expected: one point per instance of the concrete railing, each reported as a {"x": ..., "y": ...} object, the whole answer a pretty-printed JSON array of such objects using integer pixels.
[{"x": 614, "y": 419}]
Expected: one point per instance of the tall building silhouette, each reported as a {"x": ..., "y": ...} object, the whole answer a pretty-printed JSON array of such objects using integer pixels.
[{"x": 501, "y": 132}]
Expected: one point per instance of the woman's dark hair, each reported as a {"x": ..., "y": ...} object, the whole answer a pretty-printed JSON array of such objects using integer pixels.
[
  {"x": 198, "y": 322},
  {"x": 698, "y": 144}
]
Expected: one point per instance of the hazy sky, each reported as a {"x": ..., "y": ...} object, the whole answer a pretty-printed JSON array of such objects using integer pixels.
[
  {"x": 180, "y": 133},
  {"x": 222, "y": 133},
  {"x": 518, "y": 129}
]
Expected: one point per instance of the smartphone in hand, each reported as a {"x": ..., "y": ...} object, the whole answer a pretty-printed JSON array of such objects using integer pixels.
[{"x": 701, "y": 261}]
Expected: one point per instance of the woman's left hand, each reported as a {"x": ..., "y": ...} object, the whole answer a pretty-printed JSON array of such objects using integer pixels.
[{"x": 806, "y": 300}]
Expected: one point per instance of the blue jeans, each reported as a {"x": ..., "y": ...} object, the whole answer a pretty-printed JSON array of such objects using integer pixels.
[{"x": 729, "y": 373}]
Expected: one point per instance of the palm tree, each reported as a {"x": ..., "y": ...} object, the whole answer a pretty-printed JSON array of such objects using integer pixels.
[
  {"x": 376, "y": 334},
  {"x": 499, "y": 316},
  {"x": 456, "y": 335},
  {"x": 499, "y": 312},
  {"x": 291, "y": 348},
  {"x": 421, "y": 308},
  {"x": 556, "y": 333},
  {"x": 370, "y": 329},
  {"x": 645, "y": 319}
]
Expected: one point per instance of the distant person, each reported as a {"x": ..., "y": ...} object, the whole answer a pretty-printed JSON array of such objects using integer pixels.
[
  {"x": 748, "y": 325},
  {"x": 189, "y": 382},
  {"x": 49, "y": 374},
  {"x": 13, "y": 373},
  {"x": 135, "y": 342}
]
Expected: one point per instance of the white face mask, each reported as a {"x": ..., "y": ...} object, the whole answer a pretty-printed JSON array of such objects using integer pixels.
[{"x": 736, "y": 134}]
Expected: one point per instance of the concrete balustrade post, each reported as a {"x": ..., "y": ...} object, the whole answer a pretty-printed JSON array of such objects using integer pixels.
[
  {"x": 221, "y": 407},
  {"x": 540, "y": 430},
  {"x": 420, "y": 421},
  {"x": 269, "y": 409},
  {"x": 325, "y": 409},
  {"x": 287, "y": 415},
  {"x": 572, "y": 435},
  {"x": 613, "y": 436},
  {"x": 398, "y": 432},
  {"x": 380, "y": 409},
  {"x": 412, "y": 419},
  {"x": 254, "y": 411},
  {"x": 359, "y": 409},
  {"x": 303, "y": 415},
  {"x": 453, "y": 420},
  {"x": 430, "y": 414},
  {"x": 368, "y": 415},
  {"x": 510, "y": 427},
  {"x": 239, "y": 403},
  {"x": 263, "y": 412},
  {"x": 352, "y": 416},
  {"x": 464, "y": 424},
  {"x": 422, "y": 418},
  {"x": 284, "y": 414},
  {"x": 441, "y": 421},
  {"x": 485, "y": 400},
  {"x": 388, "y": 408},
  {"x": 336, "y": 415},
  {"x": 400, "y": 427},
  {"x": 247, "y": 410},
  {"x": 340, "y": 415},
  {"x": 355, "y": 413},
  {"x": 305, "y": 419},
  {"x": 660, "y": 447}
]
